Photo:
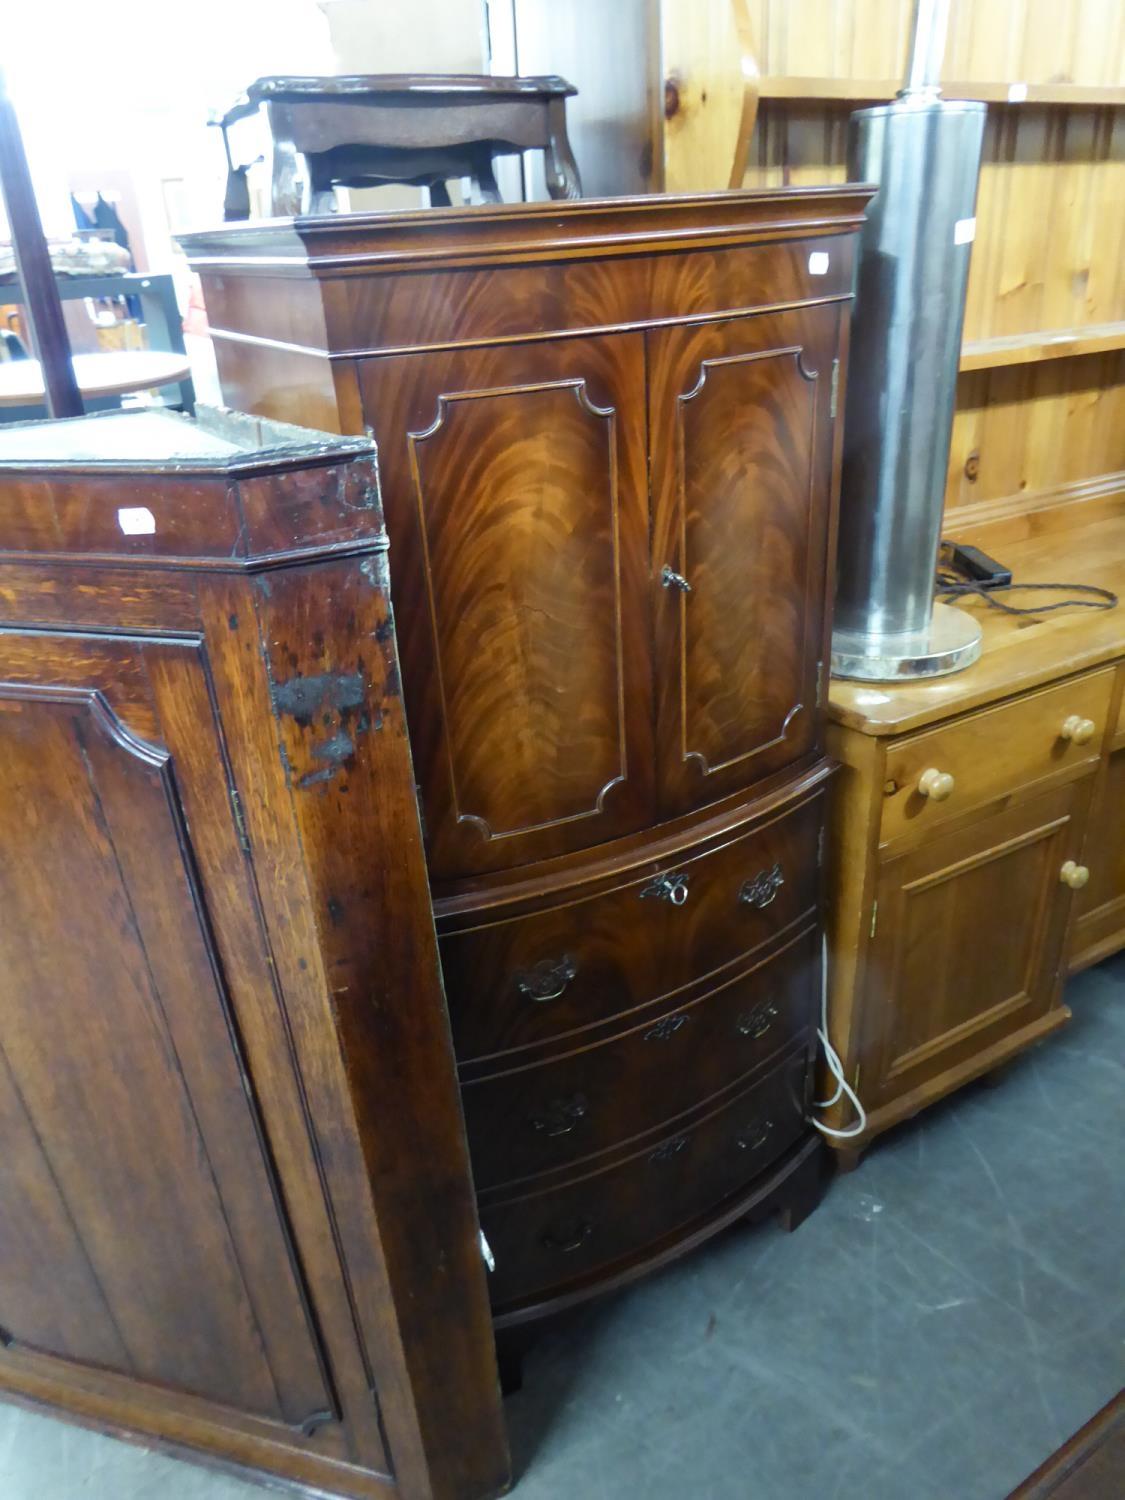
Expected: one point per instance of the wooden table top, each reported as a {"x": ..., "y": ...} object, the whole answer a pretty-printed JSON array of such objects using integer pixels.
[
  {"x": 1018, "y": 652},
  {"x": 112, "y": 374}
]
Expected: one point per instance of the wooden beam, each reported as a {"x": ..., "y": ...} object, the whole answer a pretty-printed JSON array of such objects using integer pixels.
[{"x": 33, "y": 267}]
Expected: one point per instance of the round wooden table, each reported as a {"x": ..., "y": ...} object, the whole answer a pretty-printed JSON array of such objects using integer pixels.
[{"x": 113, "y": 374}]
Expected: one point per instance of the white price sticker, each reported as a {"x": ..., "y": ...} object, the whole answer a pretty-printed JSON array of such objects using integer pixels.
[
  {"x": 136, "y": 520},
  {"x": 1017, "y": 93},
  {"x": 818, "y": 263},
  {"x": 964, "y": 231}
]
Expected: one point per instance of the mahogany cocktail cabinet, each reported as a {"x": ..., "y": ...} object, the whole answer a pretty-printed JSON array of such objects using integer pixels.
[{"x": 249, "y": 1146}]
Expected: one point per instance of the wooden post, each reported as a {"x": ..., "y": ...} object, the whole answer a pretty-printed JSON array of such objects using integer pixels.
[{"x": 33, "y": 267}]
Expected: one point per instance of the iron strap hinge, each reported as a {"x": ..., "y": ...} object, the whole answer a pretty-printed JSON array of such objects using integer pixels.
[
  {"x": 835, "y": 388},
  {"x": 239, "y": 821}
]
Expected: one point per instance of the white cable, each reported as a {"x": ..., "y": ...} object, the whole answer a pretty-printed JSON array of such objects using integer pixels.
[{"x": 835, "y": 1066}]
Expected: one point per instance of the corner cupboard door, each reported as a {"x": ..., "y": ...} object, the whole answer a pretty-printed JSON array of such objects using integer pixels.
[
  {"x": 514, "y": 484},
  {"x": 142, "y": 1230},
  {"x": 741, "y": 420}
]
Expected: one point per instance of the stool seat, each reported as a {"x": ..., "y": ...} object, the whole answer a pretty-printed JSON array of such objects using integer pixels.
[{"x": 366, "y": 130}]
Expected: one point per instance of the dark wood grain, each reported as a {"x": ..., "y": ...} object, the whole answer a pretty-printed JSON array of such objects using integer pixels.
[
  {"x": 209, "y": 1231},
  {"x": 564, "y": 1234},
  {"x": 741, "y": 510},
  {"x": 527, "y": 1119},
  {"x": 566, "y": 402},
  {"x": 519, "y": 517},
  {"x": 626, "y": 951}
]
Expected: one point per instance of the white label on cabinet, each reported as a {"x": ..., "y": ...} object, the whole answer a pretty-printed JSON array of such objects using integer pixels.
[
  {"x": 1017, "y": 93},
  {"x": 136, "y": 520},
  {"x": 964, "y": 231},
  {"x": 818, "y": 263}
]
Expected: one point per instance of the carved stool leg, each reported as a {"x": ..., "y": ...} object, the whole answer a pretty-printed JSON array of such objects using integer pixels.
[
  {"x": 438, "y": 192},
  {"x": 560, "y": 168},
  {"x": 802, "y": 1194}
]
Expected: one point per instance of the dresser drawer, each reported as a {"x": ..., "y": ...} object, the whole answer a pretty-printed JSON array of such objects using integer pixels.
[
  {"x": 556, "y": 1235},
  {"x": 533, "y": 980},
  {"x": 555, "y": 1113},
  {"x": 931, "y": 778}
]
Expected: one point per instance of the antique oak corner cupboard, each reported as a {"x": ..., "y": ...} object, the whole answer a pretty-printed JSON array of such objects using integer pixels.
[
  {"x": 608, "y": 447},
  {"x": 235, "y": 1206}
]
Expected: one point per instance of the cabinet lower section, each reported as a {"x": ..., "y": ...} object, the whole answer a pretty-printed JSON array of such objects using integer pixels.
[
  {"x": 635, "y": 1045},
  {"x": 569, "y": 1239}
]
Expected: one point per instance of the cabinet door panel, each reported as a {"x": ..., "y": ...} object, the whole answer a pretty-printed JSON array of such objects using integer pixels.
[
  {"x": 1100, "y": 928},
  {"x": 141, "y": 1226},
  {"x": 514, "y": 488},
  {"x": 741, "y": 477},
  {"x": 968, "y": 944}
]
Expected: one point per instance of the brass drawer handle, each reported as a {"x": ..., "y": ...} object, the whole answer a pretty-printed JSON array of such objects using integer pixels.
[
  {"x": 547, "y": 979},
  {"x": 756, "y": 1022},
  {"x": 1077, "y": 730},
  {"x": 1074, "y": 875},
  {"x": 561, "y": 1116},
  {"x": 567, "y": 1239},
  {"x": 671, "y": 579},
  {"x": 666, "y": 1028},
  {"x": 670, "y": 887},
  {"x": 763, "y": 888},
  {"x": 754, "y": 1136},
  {"x": 936, "y": 785},
  {"x": 668, "y": 1149}
]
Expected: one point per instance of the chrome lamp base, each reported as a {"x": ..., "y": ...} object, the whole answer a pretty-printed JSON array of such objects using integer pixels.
[{"x": 950, "y": 644}]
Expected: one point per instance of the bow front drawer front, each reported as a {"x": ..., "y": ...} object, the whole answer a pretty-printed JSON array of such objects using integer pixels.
[
  {"x": 540, "y": 1118},
  {"x": 555, "y": 1234},
  {"x": 534, "y": 980},
  {"x": 932, "y": 778}
]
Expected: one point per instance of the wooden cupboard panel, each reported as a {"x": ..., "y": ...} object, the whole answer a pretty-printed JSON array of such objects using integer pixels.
[
  {"x": 133, "y": 1152},
  {"x": 968, "y": 943},
  {"x": 1100, "y": 928},
  {"x": 989, "y": 41},
  {"x": 741, "y": 496},
  {"x": 993, "y": 753},
  {"x": 514, "y": 486}
]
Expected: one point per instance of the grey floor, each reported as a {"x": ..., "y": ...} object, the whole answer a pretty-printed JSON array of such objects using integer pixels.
[{"x": 953, "y": 1311}]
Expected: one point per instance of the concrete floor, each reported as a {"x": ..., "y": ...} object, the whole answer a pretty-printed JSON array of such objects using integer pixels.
[{"x": 952, "y": 1312}]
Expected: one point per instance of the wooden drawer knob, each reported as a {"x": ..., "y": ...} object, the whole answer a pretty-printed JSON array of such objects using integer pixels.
[
  {"x": 1077, "y": 730},
  {"x": 935, "y": 784},
  {"x": 1074, "y": 875}
]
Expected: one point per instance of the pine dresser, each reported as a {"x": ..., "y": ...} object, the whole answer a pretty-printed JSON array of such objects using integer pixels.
[{"x": 608, "y": 445}]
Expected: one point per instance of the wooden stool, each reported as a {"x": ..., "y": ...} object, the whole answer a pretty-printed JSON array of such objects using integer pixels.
[{"x": 419, "y": 129}]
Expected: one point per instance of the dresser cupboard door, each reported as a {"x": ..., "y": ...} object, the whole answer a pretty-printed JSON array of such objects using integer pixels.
[
  {"x": 968, "y": 941},
  {"x": 142, "y": 1230},
  {"x": 514, "y": 482},
  {"x": 740, "y": 413}
]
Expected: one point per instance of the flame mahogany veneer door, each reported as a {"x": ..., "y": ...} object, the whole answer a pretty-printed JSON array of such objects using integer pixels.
[
  {"x": 514, "y": 480},
  {"x": 741, "y": 423}
]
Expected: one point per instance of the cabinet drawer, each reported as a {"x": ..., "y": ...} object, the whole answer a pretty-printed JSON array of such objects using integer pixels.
[
  {"x": 992, "y": 753},
  {"x": 551, "y": 1237},
  {"x": 549, "y": 1115},
  {"x": 533, "y": 980}
]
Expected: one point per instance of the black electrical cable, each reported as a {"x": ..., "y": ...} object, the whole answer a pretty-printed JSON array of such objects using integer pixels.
[{"x": 950, "y": 586}]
